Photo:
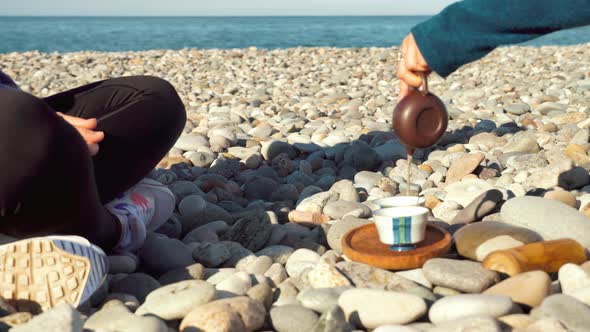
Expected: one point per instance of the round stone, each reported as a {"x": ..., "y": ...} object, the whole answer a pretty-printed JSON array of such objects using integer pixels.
[
  {"x": 62, "y": 317},
  {"x": 341, "y": 227},
  {"x": 324, "y": 275},
  {"x": 276, "y": 273},
  {"x": 461, "y": 306},
  {"x": 320, "y": 299},
  {"x": 258, "y": 189},
  {"x": 317, "y": 202},
  {"x": 122, "y": 264},
  {"x": 529, "y": 288},
  {"x": 191, "y": 142},
  {"x": 477, "y": 240},
  {"x": 480, "y": 207},
  {"x": 136, "y": 284},
  {"x": 176, "y": 300},
  {"x": 346, "y": 191},
  {"x": 278, "y": 253},
  {"x": 233, "y": 314},
  {"x": 255, "y": 265},
  {"x": 517, "y": 109},
  {"x": 465, "y": 276},
  {"x": 300, "y": 260},
  {"x": 371, "y": 308},
  {"x": 191, "y": 206},
  {"x": 274, "y": 148},
  {"x": 517, "y": 321},
  {"x": 292, "y": 318},
  {"x": 466, "y": 191},
  {"x": 573, "y": 277},
  {"x": 574, "y": 314},
  {"x": 191, "y": 272},
  {"x": 237, "y": 284},
  {"x": 262, "y": 293},
  {"x": 339, "y": 209},
  {"x": 332, "y": 320},
  {"x": 212, "y": 254},
  {"x": 118, "y": 318},
  {"x": 366, "y": 276},
  {"x": 539, "y": 215},
  {"x": 366, "y": 179},
  {"x": 523, "y": 142},
  {"x": 563, "y": 196},
  {"x": 201, "y": 159},
  {"x": 463, "y": 166},
  {"x": 161, "y": 254}
]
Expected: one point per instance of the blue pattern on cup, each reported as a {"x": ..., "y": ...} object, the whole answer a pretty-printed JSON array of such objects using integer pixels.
[{"x": 402, "y": 230}]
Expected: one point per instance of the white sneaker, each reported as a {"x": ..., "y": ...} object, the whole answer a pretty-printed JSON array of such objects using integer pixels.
[
  {"x": 144, "y": 207},
  {"x": 50, "y": 270}
]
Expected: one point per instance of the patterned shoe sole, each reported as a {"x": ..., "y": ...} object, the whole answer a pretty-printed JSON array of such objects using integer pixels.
[{"x": 48, "y": 272}]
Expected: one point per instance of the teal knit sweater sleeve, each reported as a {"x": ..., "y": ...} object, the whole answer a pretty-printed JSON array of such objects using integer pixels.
[{"x": 468, "y": 30}]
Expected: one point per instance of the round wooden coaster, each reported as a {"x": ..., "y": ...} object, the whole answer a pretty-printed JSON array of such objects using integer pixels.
[{"x": 362, "y": 245}]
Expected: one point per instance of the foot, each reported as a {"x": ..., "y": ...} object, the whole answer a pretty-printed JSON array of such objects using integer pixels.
[
  {"x": 40, "y": 273},
  {"x": 144, "y": 207}
]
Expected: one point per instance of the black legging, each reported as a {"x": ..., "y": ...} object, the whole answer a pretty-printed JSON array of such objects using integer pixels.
[{"x": 45, "y": 164}]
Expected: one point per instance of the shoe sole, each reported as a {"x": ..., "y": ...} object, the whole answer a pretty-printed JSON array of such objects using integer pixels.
[{"x": 45, "y": 272}]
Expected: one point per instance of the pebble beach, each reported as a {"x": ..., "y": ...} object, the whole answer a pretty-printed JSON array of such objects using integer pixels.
[{"x": 283, "y": 152}]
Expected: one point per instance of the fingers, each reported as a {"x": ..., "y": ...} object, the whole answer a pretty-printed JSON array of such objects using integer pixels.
[
  {"x": 91, "y": 136},
  {"x": 414, "y": 61},
  {"x": 79, "y": 122},
  {"x": 84, "y": 127},
  {"x": 93, "y": 149},
  {"x": 404, "y": 89},
  {"x": 410, "y": 78},
  {"x": 412, "y": 68}
]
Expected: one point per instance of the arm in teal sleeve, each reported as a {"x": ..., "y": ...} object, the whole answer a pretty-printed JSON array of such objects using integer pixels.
[{"x": 468, "y": 30}]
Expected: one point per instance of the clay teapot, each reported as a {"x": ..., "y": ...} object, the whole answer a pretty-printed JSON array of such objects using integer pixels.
[{"x": 420, "y": 119}]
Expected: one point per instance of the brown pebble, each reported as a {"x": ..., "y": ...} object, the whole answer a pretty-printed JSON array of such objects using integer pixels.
[
  {"x": 517, "y": 321},
  {"x": 529, "y": 122},
  {"x": 456, "y": 148},
  {"x": 16, "y": 319},
  {"x": 550, "y": 127},
  {"x": 431, "y": 201},
  {"x": 469, "y": 177},
  {"x": 577, "y": 153},
  {"x": 529, "y": 288},
  {"x": 563, "y": 196},
  {"x": 168, "y": 162},
  {"x": 488, "y": 172},
  {"x": 308, "y": 217},
  {"x": 426, "y": 168},
  {"x": 586, "y": 210},
  {"x": 464, "y": 166}
]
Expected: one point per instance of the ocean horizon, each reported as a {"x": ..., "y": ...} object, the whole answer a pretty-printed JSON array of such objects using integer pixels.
[{"x": 138, "y": 33}]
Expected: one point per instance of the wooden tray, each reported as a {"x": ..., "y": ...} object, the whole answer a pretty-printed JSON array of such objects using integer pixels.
[{"x": 362, "y": 245}]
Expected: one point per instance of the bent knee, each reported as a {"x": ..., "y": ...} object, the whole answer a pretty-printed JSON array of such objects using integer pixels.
[
  {"x": 152, "y": 85},
  {"x": 173, "y": 106},
  {"x": 163, "y": 90},
  {"x": 156, "y": 84}
]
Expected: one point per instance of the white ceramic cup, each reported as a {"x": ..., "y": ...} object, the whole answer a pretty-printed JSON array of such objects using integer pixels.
[
  {"x": 396, "y": 201},
  {"x": 401, "y": 227}
]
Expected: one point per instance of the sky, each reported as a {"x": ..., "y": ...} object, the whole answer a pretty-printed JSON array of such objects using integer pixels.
[{"x": 220, "y": 7}]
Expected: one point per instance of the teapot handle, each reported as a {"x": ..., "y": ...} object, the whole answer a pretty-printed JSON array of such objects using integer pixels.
[{"x": 424, "y": 84}]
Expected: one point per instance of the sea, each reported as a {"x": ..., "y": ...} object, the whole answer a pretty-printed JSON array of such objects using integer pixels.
[{"x": 69, "y": 34}]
